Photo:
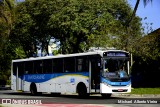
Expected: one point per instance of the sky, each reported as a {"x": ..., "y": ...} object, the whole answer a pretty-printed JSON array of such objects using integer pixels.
[{"x": 151, "y": 11}]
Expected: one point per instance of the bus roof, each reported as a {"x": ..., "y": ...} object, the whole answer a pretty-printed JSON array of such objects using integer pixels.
[{"x": 68, "y": 55}]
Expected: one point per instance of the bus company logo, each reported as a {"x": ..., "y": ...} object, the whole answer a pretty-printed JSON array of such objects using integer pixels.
[
  {"x": 36, "y": 77},
  {"x": 6, "y": 101}
]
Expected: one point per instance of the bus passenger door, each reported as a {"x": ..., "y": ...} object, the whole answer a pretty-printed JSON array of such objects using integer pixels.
[
  {"x": 19, "y": 77},
  {"x": 95, "y": 75}
]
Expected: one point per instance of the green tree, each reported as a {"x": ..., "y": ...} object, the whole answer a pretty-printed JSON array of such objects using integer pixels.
[
  {"x": 30, "y": 28},
  {"x": 6, "y": 21},
  {"x": 149, "y": 46},
  {"x": 6, "y": 18},
  {"x": 77, "y": 24},
  {"x": 146, "y": 59},
  {"x": 81, "y": 24}
]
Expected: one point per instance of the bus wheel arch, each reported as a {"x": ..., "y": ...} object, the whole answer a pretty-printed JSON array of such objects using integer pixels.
[
  {"x": 33, "y": 89},
  {"x": 82, "y": 90}
]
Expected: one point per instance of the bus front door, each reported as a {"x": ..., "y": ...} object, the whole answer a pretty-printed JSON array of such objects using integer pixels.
[{"x": 95, "y": 75}]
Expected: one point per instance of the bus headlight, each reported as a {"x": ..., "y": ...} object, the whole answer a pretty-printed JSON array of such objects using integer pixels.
[
  {"x": 129, "y": 84},
  {"x": 106, "y": 84}
]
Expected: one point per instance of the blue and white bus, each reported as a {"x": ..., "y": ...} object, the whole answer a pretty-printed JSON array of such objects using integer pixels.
[{"x": 98, "y": 72}]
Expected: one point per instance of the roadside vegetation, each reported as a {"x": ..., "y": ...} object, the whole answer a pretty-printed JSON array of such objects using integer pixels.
[{"x": 146, "y": 91}]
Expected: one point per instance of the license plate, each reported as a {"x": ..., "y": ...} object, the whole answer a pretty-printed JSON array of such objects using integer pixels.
[{"x": 120, "y": 89}]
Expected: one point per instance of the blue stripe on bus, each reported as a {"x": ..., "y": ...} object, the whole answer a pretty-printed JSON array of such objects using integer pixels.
[
  {"x": 104, "y": 80},
  {"x": 38, "y": 78}
]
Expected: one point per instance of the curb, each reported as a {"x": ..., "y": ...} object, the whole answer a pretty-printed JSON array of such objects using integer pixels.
[{"x": 137, "y": 95}]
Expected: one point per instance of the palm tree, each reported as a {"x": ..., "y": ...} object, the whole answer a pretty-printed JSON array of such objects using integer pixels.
[
  {"x": 136, "y": 7},
  {"x": 134, "y": 12}
]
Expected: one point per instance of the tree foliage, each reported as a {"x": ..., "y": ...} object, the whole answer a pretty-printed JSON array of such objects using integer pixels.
[
  {"x": 77, "y": 24},
  {"x": 6, "y": 21},
  {"x": 148, "y": 47},
  {"x": 147, "y": 61}
]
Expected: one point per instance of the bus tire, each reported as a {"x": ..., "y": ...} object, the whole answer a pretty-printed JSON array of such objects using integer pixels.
[
  {"x": 82, "y": 90},
  {"x": 106, "y": 95},
  {"x": 33, "y": 89}
]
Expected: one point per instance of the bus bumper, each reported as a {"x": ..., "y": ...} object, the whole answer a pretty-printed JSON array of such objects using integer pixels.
[{"x": 105, "y": 88}]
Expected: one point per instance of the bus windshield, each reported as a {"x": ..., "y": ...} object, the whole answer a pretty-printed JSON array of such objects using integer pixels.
[{"x": 115, "y": 69}]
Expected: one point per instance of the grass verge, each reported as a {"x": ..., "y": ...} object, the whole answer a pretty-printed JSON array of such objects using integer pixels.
[{"x": 145, "y": 91}]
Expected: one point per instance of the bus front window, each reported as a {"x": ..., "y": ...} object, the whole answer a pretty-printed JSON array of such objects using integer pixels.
[{"x": 115, "y": 68}]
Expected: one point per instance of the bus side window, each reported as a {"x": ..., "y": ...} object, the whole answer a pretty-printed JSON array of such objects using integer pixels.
[
  {"x": 57, "y": 65},
  {"x": 82, "y": 64},
  {"x": 47, "y": 66},
  {"x": 28, "y": 67},
  {"x": 79, "y": 64},
  {"x": 20, "y": 68},
  {"x": 14, "y": 68},
  {"x": 69, "y": 64},
  {"x": 38, "y": 65}
]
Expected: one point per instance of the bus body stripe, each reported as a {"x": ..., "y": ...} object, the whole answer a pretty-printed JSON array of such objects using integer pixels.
[{"x": 39, "y": 78}]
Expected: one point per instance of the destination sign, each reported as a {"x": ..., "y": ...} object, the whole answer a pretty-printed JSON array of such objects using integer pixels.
[{"x": 120, "y": 54}]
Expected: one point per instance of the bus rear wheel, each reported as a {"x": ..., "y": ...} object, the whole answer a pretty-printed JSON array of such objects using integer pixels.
[
  {"x": 33, "y": 89},
  {"x": 106, "y": 95}
]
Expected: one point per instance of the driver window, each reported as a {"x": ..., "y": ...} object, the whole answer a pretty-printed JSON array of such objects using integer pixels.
[{"x": 110, "y": 65}]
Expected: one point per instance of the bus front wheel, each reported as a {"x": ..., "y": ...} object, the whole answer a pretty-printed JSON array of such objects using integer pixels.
[
  {"x": 106, "y": 95},
  {"x": 82, "y": 90}
]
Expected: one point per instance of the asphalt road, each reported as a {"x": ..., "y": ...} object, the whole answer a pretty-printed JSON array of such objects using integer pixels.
[{"x": 73, "y": 100}]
